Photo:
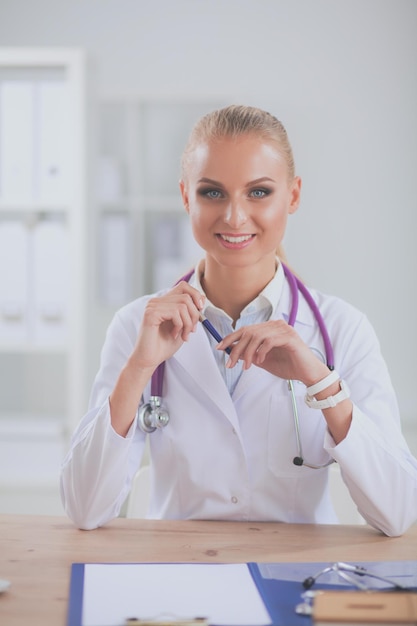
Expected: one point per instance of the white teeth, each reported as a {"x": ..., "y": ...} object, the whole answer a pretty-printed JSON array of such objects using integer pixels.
[{"x": 236, "y": 239}]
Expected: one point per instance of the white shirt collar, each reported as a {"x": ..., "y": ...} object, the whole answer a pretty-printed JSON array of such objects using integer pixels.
[{"x": 268, "y": 297}]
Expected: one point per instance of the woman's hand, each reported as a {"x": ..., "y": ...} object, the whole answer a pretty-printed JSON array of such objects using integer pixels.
[
  {"x": 167, "y": 322},
  {"x": 276, "y": 347}
]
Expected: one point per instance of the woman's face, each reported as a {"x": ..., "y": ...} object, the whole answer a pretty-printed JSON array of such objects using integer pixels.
[{"x": 238, "y": 196}]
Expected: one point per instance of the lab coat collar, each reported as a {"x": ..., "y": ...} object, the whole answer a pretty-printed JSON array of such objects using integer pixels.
[
  {"x": 269, "y": 296},
  {"x": 277, "y": 292}
]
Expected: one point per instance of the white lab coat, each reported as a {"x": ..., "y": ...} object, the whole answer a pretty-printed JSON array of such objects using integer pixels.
[{"x": 230, "y": 457}]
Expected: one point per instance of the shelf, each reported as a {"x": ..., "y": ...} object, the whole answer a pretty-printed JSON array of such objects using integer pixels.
[
  {"x": 30, "y": 348},
  {"x": 144, "y": 203},
  {"x": 43, "y": 224},
  {"x": 18, "y": 208}
]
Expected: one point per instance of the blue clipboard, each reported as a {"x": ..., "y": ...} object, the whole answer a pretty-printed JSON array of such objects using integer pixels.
[{"x": 279, "y": 585}]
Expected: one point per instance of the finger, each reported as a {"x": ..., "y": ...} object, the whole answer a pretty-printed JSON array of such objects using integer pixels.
[
  {"x": 250, "y": 353},
  {"x": 263, "y": 349},
  {"x": 241, "y": 350},
  {"x": 176, "y": 314},
  {"x": 197, "y": 297},
  {"x": 238, "y": 342},
  {"x": 184, "y": 320},
  {"x": 229, "y": 340}
]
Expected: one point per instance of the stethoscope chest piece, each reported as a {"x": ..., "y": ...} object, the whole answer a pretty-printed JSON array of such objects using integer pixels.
[{"x": 152, "y": 415}]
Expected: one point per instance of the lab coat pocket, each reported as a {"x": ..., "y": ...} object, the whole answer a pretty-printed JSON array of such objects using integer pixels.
[{"x": 283, "y": 445}]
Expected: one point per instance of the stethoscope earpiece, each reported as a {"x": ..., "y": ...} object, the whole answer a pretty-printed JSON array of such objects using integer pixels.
[{"x": 153, "y": 415}]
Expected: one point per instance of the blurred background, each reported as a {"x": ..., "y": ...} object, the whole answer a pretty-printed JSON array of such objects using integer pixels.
[{"x": 96, "y": 101}]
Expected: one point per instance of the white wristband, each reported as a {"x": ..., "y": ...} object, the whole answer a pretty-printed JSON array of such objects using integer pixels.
[
  {"x": 323, "y": 384},
  {"x": 331, "y": 401}
]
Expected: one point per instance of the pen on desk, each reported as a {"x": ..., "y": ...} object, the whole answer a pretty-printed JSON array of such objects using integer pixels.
[{"x": 213, "y": 332}]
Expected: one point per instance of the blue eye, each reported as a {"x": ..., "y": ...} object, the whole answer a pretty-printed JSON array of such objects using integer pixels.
[
  {"x": 259, "y": 193},
  {"x": 213, "y": 194}
]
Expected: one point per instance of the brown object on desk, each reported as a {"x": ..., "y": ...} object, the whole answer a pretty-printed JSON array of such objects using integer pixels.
[
  {"x": 36, "y": 552},
  {"x": 365, "y": 608}
]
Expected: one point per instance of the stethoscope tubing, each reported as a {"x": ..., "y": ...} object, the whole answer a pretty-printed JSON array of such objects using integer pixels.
[{"x": 296, "y": 287}]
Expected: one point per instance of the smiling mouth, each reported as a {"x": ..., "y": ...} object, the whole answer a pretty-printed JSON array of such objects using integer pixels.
[{"x": 236, "y": 238}]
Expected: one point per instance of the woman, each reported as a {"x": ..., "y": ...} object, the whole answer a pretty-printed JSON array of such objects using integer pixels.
[{"x": 228, "y": 450}]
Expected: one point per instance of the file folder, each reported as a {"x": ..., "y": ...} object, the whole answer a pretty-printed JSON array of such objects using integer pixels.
[
  {"x": 13, "y": 282},
  {"x": 53, "y": 142},
  {"x": 50, "y": 268},
  {"x": 115, "y": 258},
  {"x": 16, "y": 141},
  {"x": 255, "y": 594}
]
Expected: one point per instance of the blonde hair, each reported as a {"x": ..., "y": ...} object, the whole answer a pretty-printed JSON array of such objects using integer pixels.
[{"x": 234, "y": 121}]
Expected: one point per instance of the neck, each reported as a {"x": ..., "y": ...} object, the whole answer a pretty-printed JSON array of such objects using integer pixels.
[{"x": 231, "y": 289}]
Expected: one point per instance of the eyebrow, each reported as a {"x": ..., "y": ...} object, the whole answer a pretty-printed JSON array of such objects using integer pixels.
[{"x": 257, "y": 181}]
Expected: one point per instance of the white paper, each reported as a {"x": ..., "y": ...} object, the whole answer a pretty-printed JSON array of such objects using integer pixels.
[{"x": 224, "y": 593}]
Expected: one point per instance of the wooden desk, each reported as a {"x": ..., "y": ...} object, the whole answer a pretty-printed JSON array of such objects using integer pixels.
[{"x": 36, "y": 553}]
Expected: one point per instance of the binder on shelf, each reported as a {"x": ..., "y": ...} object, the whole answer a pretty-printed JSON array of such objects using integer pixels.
[
  {"x": 237, "y": 594},
  {"x": 169, "y": 258},
  {"x": 109, "y": 185},
  {"x": 50, "y": 268},
  {"x": 16, "y": 141},
  {"x": 115, "y": 259},
  {"x": 13, "y": 282},
  {"x": 53, "y": 142}
]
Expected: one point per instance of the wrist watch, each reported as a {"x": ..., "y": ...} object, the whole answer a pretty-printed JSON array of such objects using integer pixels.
[{"x": 331, "y": 401}]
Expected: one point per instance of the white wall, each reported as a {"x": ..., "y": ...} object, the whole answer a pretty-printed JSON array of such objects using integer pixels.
[{"x": 341, "y": 74}]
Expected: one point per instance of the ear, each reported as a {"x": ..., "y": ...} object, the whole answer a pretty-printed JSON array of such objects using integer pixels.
[
  {"x": 295, "y": 195},
  {"x": 184, "y": 194}
]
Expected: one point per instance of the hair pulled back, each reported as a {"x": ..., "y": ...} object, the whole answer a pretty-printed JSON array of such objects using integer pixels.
[{"x": 234, "y": 121}]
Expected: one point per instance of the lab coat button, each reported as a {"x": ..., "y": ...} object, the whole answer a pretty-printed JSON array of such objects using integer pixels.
[{"x": 234, "y": 499}]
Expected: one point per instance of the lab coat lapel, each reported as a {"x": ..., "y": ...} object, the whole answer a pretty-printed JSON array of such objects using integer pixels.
[{"x": 196, "y": 357}]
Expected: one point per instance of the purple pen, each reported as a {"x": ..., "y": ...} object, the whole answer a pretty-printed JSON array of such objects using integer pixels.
[{"x": 213, "y": 332}]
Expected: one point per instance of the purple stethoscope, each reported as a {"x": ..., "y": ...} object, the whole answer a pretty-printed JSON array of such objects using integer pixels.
[{"x": 153, "y": 415}]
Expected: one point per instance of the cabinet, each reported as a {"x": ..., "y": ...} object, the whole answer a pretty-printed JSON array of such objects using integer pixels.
[{"x": 42, "y": 269}]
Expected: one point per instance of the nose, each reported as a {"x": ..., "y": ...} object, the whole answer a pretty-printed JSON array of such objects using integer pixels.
[{"x": 235, "y": 215}]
